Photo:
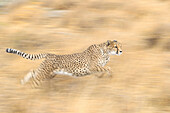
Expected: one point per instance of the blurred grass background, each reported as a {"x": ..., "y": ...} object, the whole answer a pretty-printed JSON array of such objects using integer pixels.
[{"x": 141, "y": 76}]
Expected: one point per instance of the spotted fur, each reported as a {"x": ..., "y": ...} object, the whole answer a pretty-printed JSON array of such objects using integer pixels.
[{"x": 90, "y": 61}]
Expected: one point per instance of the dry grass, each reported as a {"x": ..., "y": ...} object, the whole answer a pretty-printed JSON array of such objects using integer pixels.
[{"x": 140, "y": 82}]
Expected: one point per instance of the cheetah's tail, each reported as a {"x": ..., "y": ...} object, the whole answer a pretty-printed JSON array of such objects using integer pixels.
[{"x": 25, "y": 55}]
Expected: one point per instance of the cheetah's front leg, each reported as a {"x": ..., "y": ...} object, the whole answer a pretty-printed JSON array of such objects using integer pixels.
[{"x": 101, "y": 70}]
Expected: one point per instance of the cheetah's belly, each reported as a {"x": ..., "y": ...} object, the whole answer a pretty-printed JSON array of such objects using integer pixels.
[{"x": 62, "y": 72}]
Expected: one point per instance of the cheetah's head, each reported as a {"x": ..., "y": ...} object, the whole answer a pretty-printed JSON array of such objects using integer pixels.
[{"x": 114, "y": 47}]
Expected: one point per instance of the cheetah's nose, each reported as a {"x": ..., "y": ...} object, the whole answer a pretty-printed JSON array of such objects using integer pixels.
[{"x": 120, "y": 51}]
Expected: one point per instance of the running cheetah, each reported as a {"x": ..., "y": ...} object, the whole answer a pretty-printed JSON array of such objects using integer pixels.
[{"x": 90, "y": 61}]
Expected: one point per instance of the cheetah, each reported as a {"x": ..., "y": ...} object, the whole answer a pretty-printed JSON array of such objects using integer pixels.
[{"x": 92, "y": 60}]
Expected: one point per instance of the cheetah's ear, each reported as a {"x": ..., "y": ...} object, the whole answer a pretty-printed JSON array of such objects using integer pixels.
[{"x": 108, "y": 42}]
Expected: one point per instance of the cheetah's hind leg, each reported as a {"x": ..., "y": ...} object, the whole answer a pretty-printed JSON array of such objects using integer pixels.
[
  {"x": 28, "y": 77},
  {"x": 35, "y": 77},
  {"x": 32, "y": 78}
]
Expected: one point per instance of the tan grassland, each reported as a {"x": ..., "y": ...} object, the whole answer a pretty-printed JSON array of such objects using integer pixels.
[{"x": 141, "y": 75}]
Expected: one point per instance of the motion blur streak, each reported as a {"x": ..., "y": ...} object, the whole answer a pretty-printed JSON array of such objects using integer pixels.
[{"x": 141, "y": 75}]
